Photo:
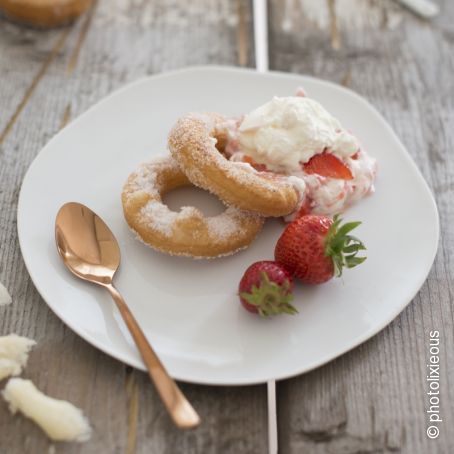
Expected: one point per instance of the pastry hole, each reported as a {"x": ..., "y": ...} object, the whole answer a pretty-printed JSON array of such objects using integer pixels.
[{"x": 207, "y": 203}]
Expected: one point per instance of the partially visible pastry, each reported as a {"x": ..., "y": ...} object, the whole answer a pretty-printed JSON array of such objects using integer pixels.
[{"x": 44, "y": 13}]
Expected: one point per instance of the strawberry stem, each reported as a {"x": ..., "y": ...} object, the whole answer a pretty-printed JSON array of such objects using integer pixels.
[
  {"x": 341, "y": 247},
  {"x": 270, "y": 298}
]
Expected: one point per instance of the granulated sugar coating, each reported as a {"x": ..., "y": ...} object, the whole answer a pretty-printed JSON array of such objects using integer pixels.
[
  {"x": 146, "y": 176},
  {"x": 226, "y": 224},
  {"x": 162, "y": 219}
]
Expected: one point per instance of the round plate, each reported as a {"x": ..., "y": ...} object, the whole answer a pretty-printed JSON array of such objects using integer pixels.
[{"x": 188, "y": 308}]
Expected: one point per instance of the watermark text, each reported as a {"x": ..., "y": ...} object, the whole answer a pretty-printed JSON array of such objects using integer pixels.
[{"x": 433, "y": 388}]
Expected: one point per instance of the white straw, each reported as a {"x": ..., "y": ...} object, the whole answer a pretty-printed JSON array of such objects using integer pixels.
[
  {"x": 261, "y": 35},
  {"x": 261, "y": 63},
  {"x": 272, "y": 417}
]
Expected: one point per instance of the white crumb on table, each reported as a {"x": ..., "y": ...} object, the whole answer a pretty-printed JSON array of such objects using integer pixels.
[
  {"x": 5, "y": 297},
  {"x": 14, "y": 351},
  {"x": 59, "y": 419}
]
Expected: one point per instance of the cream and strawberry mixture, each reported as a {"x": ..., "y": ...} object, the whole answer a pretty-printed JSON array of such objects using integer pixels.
[{"x": 297, "y": 137}]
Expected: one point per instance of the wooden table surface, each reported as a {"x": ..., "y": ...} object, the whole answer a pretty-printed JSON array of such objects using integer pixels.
[{"x": 372, "y": 399}]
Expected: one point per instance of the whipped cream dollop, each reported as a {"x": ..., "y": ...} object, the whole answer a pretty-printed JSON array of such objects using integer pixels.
[{"x": 288, "y": 131}]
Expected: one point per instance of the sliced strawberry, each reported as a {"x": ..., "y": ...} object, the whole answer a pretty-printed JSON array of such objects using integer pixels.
[{"x": 328, "y": 165}]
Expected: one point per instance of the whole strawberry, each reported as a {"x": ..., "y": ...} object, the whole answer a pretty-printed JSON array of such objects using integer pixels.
[
  {"x": 315, "y": 248},
  {"x": 266, "y": 289}
]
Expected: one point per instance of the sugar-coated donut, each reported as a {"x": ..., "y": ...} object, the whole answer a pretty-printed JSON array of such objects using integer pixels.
[
  {"x": 187, "y": 232},
  {"x": 195, "y": 143}
]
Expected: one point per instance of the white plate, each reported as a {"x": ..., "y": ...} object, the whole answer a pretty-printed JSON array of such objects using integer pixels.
[{"x": 189, "y": 309}]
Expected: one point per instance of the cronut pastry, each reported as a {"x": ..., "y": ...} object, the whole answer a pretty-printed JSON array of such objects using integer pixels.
[{"x": 187, "y": 232}]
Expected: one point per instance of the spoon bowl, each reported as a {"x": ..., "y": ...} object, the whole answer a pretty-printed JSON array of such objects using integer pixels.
[{"x": 86, "y": 244}]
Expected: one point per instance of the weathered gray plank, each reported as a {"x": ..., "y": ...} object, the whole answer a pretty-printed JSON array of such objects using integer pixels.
[
  {"x": 24, "y": 58},
  {"x": 373, "y": 398},
  {"x": 47, "y": 78}
]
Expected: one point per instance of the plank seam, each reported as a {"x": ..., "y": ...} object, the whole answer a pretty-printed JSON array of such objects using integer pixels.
[
  {"x": 335, "y": 36},
  {"x": 242, "y": 35},
  {"x": 81, "y": 39},
  {"x": 34, "y": 84}
]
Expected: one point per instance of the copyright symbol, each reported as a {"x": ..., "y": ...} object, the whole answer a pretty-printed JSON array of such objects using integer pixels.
[{"x": 433, "y": 432}]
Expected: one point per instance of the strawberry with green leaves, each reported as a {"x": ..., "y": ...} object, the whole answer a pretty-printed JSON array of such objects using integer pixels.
[
  {"x": 315, "y": 248},
  {"x": 266, "y": 289}
]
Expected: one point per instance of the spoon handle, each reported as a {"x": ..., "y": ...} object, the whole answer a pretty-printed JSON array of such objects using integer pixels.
[{"x": 181, "y": 411}]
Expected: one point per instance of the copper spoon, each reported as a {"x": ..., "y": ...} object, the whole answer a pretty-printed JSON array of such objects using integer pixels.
[{"x": 90, "y": 251}]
